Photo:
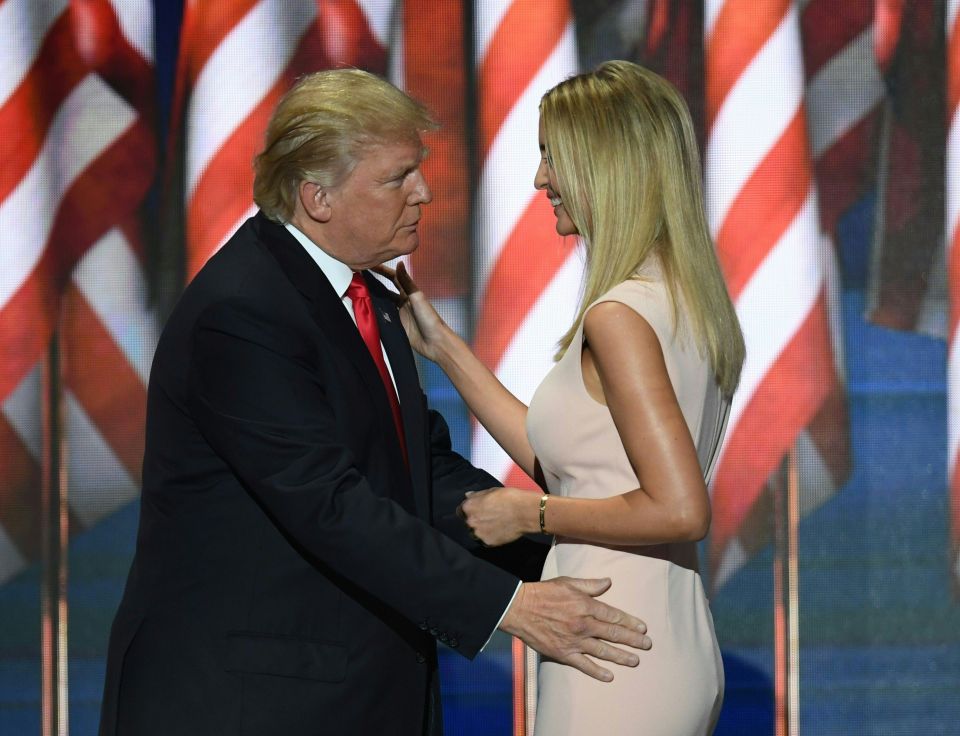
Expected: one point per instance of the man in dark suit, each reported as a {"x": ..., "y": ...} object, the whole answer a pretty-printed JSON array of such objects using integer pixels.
[{"x": 298, "y": 554}]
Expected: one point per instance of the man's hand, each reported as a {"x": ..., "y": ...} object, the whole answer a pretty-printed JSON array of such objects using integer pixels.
[
  {"x": 500, "y": 515},
  {"x": 562, "y": 620}
]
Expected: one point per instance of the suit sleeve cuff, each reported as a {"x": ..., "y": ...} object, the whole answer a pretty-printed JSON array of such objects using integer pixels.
[{"x": 502, "y": 615}]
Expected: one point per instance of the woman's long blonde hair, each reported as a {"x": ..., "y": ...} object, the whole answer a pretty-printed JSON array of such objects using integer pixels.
[{"x": 623, "y": 148}]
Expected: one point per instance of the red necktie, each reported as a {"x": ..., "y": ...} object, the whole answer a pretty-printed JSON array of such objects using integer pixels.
[{"x": 370, "y": 332}]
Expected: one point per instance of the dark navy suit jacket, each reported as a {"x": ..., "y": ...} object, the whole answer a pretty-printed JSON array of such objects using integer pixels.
[{"x": 292, "y": 575}]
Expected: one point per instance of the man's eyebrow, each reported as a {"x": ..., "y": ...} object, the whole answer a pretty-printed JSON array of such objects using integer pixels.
[
  {"x": 408, "y": 167},
  {"x": 399, "y": 172}
]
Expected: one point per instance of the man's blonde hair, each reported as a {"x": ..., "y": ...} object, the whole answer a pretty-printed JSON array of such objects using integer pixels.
[
  {"x": 319, "y": 129},
  {"x": 625, "y": 155}
]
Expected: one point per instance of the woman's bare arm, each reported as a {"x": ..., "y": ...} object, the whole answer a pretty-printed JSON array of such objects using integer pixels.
[
  {"x": 499, "y": 411},
  {"x": 624, "y": 361}
]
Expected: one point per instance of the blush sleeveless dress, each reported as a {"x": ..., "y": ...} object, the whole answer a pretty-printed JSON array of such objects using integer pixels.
[{"x": 677, "y": 689}]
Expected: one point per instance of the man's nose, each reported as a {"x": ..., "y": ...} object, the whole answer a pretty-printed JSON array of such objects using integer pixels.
[{"x": 421, "y": 193}]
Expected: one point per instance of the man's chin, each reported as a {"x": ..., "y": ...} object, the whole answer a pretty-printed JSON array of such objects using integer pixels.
[
  {"x": 410, "y": 244},
  {"x": 399, "y": 249}
]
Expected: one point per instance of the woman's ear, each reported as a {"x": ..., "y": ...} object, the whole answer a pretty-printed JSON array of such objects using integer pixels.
[{"x": 315, "y": 200}]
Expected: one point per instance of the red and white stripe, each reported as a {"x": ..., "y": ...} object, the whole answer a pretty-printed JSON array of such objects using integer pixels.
[
  {"x": 952, "y": 241},
  {"x": 434, "y": 73},
  {"x": 529, "y": 278},
  {"x": 79, "y": 156},
  {"x": 762, "y": 209},
  {"x": 844, "y": 93},
  {"x": 237, "y": 58}
]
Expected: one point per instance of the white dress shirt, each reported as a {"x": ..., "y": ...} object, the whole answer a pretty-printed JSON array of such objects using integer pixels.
[{"x": 339, "y": 275}]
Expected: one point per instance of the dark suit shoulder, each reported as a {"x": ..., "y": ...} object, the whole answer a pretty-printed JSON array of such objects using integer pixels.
[
  {"x": 243, "y": 267},
  {"x": 243, "y": 271},
  {"x": 241, "y": 290}
]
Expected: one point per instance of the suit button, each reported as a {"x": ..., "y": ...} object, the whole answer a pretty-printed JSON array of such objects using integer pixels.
[
  {"x": 423, "y": 625},
  {"x": 453, "y": 643},
  {"x": 444, "y": 638},
  {"x": 421, "y": 659},
  {"x": 434, "y": 631}
]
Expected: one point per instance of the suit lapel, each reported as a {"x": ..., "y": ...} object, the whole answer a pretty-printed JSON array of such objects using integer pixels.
[
  {"x": 328, "y": 312},
  {"x": 404, "y": 368}
]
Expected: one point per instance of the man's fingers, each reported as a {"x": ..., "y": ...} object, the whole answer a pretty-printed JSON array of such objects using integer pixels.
[
  {"x": 610, "y": 615},
  {"x": 592, "y": 587},
  {"x": 601, "y": 611},
  {"x": 629, "y": 636},
  {"x": 615, "y": 617},
  {"x": 620, "y": 634},
  {"x": 561, "y": 619},
  {"x": 610, "y": 653},
  {"x": 589, "y": 667}
]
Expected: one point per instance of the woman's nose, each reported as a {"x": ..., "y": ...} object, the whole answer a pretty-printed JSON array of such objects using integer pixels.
[{"x": 540, "y": 179}]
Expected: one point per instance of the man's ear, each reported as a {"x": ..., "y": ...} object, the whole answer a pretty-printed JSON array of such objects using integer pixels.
[{"x": 315, "y": 200}]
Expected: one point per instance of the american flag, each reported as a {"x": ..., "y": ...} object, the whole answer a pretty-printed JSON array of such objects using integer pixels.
[
  {"x": 840, "y": 103},
  {"x": 79, "y": 157},
  {"x": 952, "y": 238},
  {"x": 907, "y": 289},
  {"x": 673, "y": 47},
  {"x": 237, "y": 57},
  {"x": 433, "y": 71},
  {"x": 528, "y": 277},
  {"x": 844, "y": 95},
  {"x": 762, "y": 210}
]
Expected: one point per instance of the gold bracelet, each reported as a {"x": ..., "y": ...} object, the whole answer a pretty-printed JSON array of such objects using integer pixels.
[{"x": 543, "y": 507}]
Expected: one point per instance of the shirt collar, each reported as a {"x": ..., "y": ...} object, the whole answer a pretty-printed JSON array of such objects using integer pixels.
[{"x": 338, "y": 274}]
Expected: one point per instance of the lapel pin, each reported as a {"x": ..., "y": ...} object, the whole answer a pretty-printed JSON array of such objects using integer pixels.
[{"x": 386, "y": 317}]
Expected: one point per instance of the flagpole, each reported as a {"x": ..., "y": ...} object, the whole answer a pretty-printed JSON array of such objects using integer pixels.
[
  {"x": 518, "y": 658},
  {"x": 786, "y": 594},
  {"x": 54, "y": 523},
  {"x": 524, "y": 661},
  {"x": 793, "y": 591},
  {"x": 779, "y": 607}
]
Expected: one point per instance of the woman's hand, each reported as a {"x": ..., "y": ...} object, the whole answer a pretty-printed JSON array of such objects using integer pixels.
[
  {"x": 425, "y": 329},
  {"x": 501, "y": 515}
]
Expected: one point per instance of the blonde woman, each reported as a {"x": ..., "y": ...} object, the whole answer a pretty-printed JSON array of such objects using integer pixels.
[{"x": 625, "y": 428}]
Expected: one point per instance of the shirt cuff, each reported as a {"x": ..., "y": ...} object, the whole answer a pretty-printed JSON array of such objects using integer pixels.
[{"x": 502, "y": 615}]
